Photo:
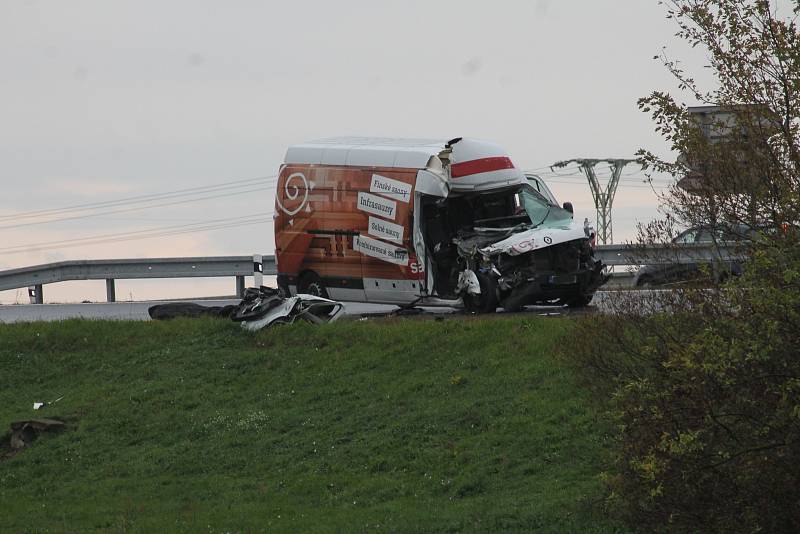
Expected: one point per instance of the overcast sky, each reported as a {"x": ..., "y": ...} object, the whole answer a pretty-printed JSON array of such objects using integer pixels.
[{"x": 104, "y": 100}]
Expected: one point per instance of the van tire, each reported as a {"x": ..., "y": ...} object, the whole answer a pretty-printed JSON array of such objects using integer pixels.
[
  {"x": 645, "y": 282},
  {"x": 580, "y": 301},
  {"x": 486, "y": 302},
  {"x": 311, "y": 284}
]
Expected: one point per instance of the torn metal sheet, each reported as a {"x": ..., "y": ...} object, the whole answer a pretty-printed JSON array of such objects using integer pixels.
[
  {"x": 534, "y": 239},
  {"x": 261, "y": 307},
  {"x": 309, "y": 308},
  {"x": 188, "y": 309},
  {"x": 468, "y": 283},
  {"x": 23, "y": 433}
]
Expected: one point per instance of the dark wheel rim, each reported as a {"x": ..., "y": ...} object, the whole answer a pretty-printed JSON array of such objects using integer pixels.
[
  {"x": 311, "y": 284},
  {"x": 315, "y": 288}
]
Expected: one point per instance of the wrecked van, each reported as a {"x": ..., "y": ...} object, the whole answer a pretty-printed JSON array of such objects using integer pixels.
[{"x": 425, "y": 222}]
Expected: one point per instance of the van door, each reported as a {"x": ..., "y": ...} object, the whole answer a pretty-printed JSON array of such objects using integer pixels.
[
  {"x": 335, "y": 200},
  {"x": 316, "y": 219},
  {"x": 391, "y": 273}
]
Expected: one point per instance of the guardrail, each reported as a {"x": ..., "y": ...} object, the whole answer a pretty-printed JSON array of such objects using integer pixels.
[
  {"x": 110, "y": 270},
  {"x": 240, "y": 266},
  {"x": 666, "y": 254}
]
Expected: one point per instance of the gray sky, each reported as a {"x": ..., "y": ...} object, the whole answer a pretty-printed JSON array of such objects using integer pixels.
[{"x": 104, "y": 100}]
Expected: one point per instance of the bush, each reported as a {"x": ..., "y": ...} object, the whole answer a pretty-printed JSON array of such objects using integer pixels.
[
  {"x": 707, "y": 405},
  {"x": 704, "y": 385}
]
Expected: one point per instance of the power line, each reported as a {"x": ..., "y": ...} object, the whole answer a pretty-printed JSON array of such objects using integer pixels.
[
  {"x": 569, "y": 181},
  {"x": 134, "y": 232},
  {"x": 140, "y": 199},
  {"x": 623, "y": 177},
  {"x": 601, "y": 173},
  {"x": 138, "y": 208},
  {"x": 150, "y": 219},
  {"x": 631, "y": 173},
  {"x": 603, "y": 196},
  {"x": 622, "y": 180},
  {"x": 155, "y": 235},
  {"x": 571, "y": 172},
  {"x": 138, "y": 234},
  {"x": 539, "y": 169}
]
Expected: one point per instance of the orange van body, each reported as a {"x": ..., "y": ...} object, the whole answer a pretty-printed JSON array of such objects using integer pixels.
[{"x": 333, "y": 234}]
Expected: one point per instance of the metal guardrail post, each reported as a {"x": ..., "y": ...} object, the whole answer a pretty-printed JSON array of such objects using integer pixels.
[
  {"x": 258, "y": 271},
  {"x": 110, "y": 290},
  {"x": 36, "y": 294},
  {"x": 239, "y": 286}
]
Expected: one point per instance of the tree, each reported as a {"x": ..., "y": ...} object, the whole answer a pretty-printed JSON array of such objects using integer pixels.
[
  {"x": 707, "y": 395},
  {"x": 744, "y": 160}
]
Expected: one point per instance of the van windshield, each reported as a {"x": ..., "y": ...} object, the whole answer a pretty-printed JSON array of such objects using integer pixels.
[
  {"x": 541, "y": 211},
  {"x": 509, "y": 210}
]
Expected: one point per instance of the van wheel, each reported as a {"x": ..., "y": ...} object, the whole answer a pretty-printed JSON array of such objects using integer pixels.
[
  {"x": 311, "y": 284},
  {"x": 486, "y": 302},
  {"x": 580, "y": 301},
  {"x": 645, "y": 283}
]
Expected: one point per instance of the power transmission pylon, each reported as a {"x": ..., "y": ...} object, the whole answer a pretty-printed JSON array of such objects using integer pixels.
[{"x": 603, "y": 197}]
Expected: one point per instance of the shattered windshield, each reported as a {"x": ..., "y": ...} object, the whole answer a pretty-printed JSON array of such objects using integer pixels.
[
  {"x": 509, "y": 210},
  {"x": 540, "y": 210}
]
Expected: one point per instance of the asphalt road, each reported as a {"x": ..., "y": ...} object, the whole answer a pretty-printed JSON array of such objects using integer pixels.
[{"x": 137, "y": 311}]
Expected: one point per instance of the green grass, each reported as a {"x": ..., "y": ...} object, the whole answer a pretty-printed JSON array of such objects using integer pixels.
[{"x": 396, "y": 425}]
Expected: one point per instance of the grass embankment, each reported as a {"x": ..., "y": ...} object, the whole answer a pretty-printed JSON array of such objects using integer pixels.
[{"x": 398, "y": 425}]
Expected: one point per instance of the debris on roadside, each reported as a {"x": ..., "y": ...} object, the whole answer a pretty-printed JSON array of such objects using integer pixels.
[
  {"x": 265, "y": 307},
  {"x": 406, "y": 311},
  {"x": 189, "y": 309},
  {"x": 40, "y": 405},
  {"x": 23, "y": 433},
  {"x": 259, "y": 308}
]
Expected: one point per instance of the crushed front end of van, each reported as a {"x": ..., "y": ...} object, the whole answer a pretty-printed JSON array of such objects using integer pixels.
[
  {"x": 514, "y": 248},
  {"x": 535, "y": 266}
]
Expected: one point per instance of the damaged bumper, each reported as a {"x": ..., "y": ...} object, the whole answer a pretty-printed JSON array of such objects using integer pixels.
[
  {"x": 564, "y": 273},
  {"x": 567, "y": 288}
]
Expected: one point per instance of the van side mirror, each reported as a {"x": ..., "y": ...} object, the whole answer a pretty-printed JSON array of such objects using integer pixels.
[{"x": 568, "y": 207}]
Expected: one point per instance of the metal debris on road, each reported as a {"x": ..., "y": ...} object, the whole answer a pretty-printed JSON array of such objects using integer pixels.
[
  {"x": 259, "y": 308},
  {"x": 23, "y": 433}
]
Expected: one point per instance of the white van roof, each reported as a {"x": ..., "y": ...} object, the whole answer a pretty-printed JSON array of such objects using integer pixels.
[
  {"x": 366, "y": 152},
  {"x": 473, "y": 164}
]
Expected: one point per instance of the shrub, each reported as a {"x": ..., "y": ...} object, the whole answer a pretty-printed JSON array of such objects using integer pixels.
[{"x": 707, "y": 405}]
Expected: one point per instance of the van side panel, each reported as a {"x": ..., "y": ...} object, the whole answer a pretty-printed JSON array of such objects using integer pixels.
[
  {"x": 344, "y": 224},
  {"x": 395, "y": 277}
]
